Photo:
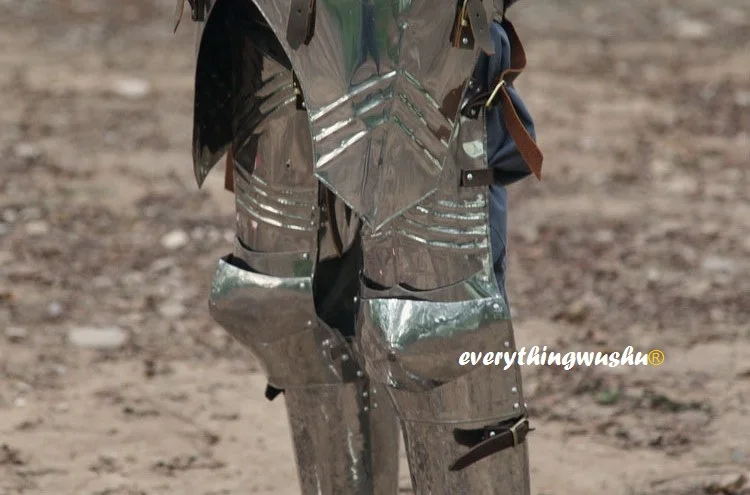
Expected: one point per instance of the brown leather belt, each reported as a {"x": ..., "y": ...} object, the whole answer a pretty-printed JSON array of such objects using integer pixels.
[
  {"x": 499, "y": 95},
  {"x": 301, "y": 26},
  {"x": 484, "y": 177},
  {"x": 497, "y": 439}
]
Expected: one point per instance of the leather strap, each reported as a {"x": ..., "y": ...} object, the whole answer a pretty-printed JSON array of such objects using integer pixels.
[
  {"x": 526, "y": 145},
  {"x": 330, "y": 202},
  {"x": 499, "y": 95},
  {"x": 481, "y": 177},
  {"x": 495, "y": 440},
  {"x": 485, "y": 177},
  {"x": 301, "y": 26},
  {"x": 480, "y": 27},
  {"x": 229, "y": 171},
  {"x": 273, "y": 392}
]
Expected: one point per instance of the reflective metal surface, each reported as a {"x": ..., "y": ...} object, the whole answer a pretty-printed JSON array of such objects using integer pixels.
[
  {"x": 381, "y": 84},
  {"x": 345, "y": 441},
  {"x": 413, "y": 347},
  {"x": 503, "y": 473},
  {"x": 369, "y": 108},
  {"x": 441, "y": 247}
]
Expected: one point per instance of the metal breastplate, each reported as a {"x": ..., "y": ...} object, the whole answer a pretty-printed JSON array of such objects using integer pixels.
[{"x": 381, "y": 82}]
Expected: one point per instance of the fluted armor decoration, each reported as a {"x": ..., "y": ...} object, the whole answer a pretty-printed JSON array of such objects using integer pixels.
[{"x": 356, "y": 138}]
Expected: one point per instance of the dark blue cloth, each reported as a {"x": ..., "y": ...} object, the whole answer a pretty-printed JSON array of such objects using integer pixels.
[{"x": 502, "y": 152}]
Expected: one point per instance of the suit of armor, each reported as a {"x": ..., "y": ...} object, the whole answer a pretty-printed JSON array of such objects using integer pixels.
[{"x": 369, "y": 143}]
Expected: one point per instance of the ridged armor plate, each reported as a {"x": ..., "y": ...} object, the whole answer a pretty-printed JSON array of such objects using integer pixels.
[{"x": 381, "y": 83}]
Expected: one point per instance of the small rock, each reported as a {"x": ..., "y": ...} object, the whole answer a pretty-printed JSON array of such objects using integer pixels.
[
  {"x": 10, "y": 215},
  {"x": 580, "y": 309},
  {"x": 175, "y": 240},
  {"x": 133, "y": 279},
  {"x": 198, "y": 233},
  {"x": 682, "y": 185},
  {"x": 587, "y": 143},
  {"x": 54, "y": 309},
  {"x": 692, "y": 29},
  {"x": 102, "y": 282},
  {"x": 213, "y": 235},
  {"x": 31, "y": 213},
  {"x": 717, "y": 315},
  {"x": 742, "y": 98},
  {"x": 131, "y": 88},
  {"x": 662, "y": 168},
  {"x": 16, "y": 334},
  {"x": 20, "y": 402},
  {"x": 529, "y": 233},
  {"x": 721, "y": 191},
  {"x": 27, "y": 150},
  {"x": 604, "y": 236},
  {"x": 98, "y": 338},
  {"x": 37, "y": 228},
  {"x": 7, "y": 257},
  {"x": 730, "y": 483},
  {"x": 718, "y": 264},
  {"x": 162, "y": 265},
  {"x": 172, "y": 310},
  {"x": 653, "y": 275}
]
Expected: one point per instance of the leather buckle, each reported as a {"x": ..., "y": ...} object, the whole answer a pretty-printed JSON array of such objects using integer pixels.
[
  {"x": 514, "y": 429},
  {"x": 198, "y": 8},
  {"x": 494, "y": 93}
]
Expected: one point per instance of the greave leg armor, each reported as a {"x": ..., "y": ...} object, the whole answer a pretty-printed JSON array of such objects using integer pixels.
[
  {"x": 464, "y": 426},
  {"x": 265, "y": 294}
]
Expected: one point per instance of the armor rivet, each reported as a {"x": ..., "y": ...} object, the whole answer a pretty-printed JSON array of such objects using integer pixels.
[
  {"x": 465, "y": 41},
  {"x": 356, "y": 299},
  {"x": 469, "y": 176},
  {"x": 496, "y": 306},
  {"x": 374, "y": 391},
  {"x": 366, "y": 408},
  {"x": 374, "y": 405},
  {"x": 326, "y": 342},
  {"x": 514, "y": 390},
  {"x": 360, "y": 374},
  {"x": 345, "y": 357},
  {"x": 516, "y": 405},
  {"x": 302, "y": 285},
  {"x": 492, "y": 433},
  {"x": 365, "y": 394},
  {"x": 506, "y": 344},
  {"x": 305, "y": 256},
  {"x": 525, "y": 404},
  {"x": 309, "y": 323}
]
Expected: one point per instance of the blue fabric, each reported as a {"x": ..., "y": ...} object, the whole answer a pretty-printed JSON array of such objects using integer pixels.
[{"x": 502, "y": 151}]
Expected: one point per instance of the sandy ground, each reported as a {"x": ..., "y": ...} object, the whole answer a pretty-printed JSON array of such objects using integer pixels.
[{"x": 639, "y": 235}]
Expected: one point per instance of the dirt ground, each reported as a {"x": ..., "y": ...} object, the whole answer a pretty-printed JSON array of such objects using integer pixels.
[{"x": 639, "y": 235}]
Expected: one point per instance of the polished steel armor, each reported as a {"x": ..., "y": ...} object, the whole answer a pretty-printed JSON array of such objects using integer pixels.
[{"x": 363, "y": 260}]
